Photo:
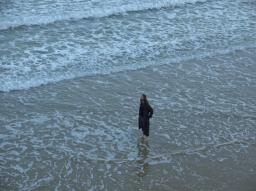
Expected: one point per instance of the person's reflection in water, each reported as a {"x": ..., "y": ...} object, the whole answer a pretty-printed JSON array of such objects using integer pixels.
[{"x": 143, "y": 151}]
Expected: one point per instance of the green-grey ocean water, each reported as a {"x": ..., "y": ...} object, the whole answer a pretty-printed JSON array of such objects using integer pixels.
[{"x": 71, "y": 75}]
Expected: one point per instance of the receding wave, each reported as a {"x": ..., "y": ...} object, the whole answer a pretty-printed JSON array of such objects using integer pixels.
[{"x": 92, "y": 13}]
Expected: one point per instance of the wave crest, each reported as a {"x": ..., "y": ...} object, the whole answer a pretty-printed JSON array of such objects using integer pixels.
[{"x": 42, "y": 19}]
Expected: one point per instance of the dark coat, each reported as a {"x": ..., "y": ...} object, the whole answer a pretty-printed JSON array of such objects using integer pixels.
[{"x": 145, "y": 113}]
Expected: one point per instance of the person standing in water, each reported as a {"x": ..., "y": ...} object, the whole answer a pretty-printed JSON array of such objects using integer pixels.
[{"x": 145, "y": 113}]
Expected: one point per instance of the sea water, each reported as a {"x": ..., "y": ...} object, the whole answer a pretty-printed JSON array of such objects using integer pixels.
[{"x": 71, "y": 74}]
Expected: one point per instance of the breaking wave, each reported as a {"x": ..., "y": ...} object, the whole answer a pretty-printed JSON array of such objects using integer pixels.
[{"x": 43, "y": 18}]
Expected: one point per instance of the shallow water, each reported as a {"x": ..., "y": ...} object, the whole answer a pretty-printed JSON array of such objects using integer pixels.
[
  {"x": 70, "y": 92},
  {"x": 82, "y": 134}
]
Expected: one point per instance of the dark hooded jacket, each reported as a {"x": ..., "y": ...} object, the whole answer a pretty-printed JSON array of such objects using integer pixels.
[{"x": 145, "y": 113}]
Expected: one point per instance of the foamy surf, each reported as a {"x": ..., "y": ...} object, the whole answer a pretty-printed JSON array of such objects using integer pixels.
[
  {"x": 67, "y": 50},
  {"x": 43, "y": 18},
  {"x": 25, "y": 82}
]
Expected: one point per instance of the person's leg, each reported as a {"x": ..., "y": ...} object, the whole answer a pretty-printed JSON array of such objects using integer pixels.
[
  {"x": 146, "y": 132},
  {"x": 141, "y": 133}
]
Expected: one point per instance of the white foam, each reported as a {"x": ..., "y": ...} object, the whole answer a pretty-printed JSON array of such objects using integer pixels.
[
  {"x": 105, "y": 46},
  {"x": 46, "y": 17},
  {"x": 166, "y": 136},
  {"x": 21, "y": 82}
]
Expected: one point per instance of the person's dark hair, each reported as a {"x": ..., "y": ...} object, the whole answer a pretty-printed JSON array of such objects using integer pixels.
[{"x": 145, "y": 99}]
